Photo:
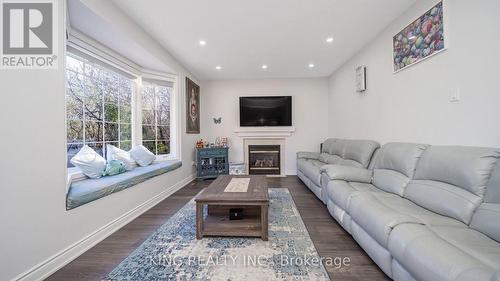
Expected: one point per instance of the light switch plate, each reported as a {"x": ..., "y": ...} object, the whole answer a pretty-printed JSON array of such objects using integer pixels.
[{"x": 455, "y": 95}]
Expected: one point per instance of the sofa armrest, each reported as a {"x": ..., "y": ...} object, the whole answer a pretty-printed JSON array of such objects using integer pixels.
[
  {"x": 307, "y": 155},
  {"x": 347, "y": 173}
]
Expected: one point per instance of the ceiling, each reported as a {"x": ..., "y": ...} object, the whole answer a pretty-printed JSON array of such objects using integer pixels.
[
  {"x": 85, "y": 20},
  {"x": 241, "y": 36}
]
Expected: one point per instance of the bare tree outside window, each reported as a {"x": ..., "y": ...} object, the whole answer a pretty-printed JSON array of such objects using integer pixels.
[
  {"x": 98, "y": 107},
  {"x": 156, "y": 118}
]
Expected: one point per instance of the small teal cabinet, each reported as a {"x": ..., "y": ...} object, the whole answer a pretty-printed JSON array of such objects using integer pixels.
[{"x": 211, "y": 162}]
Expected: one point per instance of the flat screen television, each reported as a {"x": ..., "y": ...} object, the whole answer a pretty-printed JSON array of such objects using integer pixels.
[{"x": 266, "y": 111}]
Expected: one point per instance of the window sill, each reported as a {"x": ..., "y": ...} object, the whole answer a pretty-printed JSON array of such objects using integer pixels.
[{"x": 83, "y": 191}]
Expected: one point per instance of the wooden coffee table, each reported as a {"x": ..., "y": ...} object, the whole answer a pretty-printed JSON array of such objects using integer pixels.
[{"x": 254, "y": 201}]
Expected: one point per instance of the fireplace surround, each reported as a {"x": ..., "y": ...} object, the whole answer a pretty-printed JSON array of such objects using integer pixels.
[{"x": 264, "y": 156}]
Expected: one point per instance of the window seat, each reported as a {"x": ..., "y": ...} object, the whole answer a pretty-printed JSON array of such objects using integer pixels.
[{"x": 84, "y": 191}]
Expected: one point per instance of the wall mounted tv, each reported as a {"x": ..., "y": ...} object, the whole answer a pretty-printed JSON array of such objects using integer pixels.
[{"x": 266, "y": 111}]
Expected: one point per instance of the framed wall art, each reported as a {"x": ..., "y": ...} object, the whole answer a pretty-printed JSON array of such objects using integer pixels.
[
  {"x": 421, "y": 39},
  {"x": 192, "y": 107}
]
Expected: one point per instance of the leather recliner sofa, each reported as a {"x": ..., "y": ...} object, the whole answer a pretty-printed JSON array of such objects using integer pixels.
[
  {"x": 421, "y": 212},
  {"x": 355, "y": 153}
]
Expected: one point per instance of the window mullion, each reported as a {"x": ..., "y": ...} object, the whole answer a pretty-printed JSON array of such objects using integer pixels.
[
  {"x": 85, "y": 90},
  {"x": 103, "y": 124},
  {"x": 137, "y": 109},
  {"x": 119, "y": 113},
  {"x": 155, "y": 112}
]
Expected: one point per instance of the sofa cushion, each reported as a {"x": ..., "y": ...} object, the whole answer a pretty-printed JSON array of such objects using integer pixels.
[
  {"x": 395, "y": 165},
  {"x": 390, "y": 181},
  {"x": 443, "y": 198},
  {"x": 496, "y": 277},
  {"x": 337, "y": 160},
  {"x": 487, "y": 216},
  {"x": 379, "y": 213},
  {"x": 472, "y": 242},
  {"x": 310, "y": 169},
  {"x": 347, "y": 173},
  {"x": 341, "y": 192},
  {"x": 486, "y": 219},
  {"x": 328, "y": 145},
  {"x": 493, "y": 187},
  {"x": 468, "y": 168},
  {"x": 360, "y": 151},
  {"x": 451, "y": 180},
  {"x": 308, "y": 155},
  {"x": 444, "y": 253}
]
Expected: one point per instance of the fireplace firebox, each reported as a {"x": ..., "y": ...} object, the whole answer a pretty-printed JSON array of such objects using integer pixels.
[{"x": 264, "y": 160}]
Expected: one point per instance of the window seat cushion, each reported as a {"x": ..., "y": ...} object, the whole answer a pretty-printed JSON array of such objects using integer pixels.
[{"x": 87, "y": 190}]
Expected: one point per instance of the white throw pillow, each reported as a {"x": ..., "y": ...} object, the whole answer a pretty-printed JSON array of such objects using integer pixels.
[
  {"x": 142, "y": 155},
  {"x": 91, "y": 163},
  {"x": 114, "y": 153}
]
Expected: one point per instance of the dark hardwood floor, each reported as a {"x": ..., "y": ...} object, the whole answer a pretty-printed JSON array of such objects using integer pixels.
[{"x": 328, "y": 236}]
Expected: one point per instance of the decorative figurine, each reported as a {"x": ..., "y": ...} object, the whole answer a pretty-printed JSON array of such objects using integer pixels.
[{"x": 199, "y": 143}]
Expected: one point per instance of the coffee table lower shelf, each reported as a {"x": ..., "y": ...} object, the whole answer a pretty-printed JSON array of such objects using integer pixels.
[
  {"x": 217, "y": 222},
  {"x": 220, "y": 225}
]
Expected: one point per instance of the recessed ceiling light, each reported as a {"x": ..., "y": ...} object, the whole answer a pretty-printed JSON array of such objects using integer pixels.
[
  {"x": 264, "y": 66},
  {"x": 329, "y": 39},
  {"x": 203, "y": 43},
  {"x": 311, "y": 65},
  {"x": 218, "y": 67}
]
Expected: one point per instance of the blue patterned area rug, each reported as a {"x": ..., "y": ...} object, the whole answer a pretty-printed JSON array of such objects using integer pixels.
[{"x": 173, "y": 253}]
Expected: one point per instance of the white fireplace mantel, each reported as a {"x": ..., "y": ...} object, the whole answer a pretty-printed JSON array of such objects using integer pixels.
[{"x": 264, "y": 132}]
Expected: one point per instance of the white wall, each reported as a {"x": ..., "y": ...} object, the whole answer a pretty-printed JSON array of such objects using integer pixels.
[
  {"x": 414, "y": 104},
  {"x": 35, "y": 226},
  {"x": 309, "y": 109}
]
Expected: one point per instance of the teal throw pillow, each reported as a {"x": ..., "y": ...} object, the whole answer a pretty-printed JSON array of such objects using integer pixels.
[{"x": 115, "y": 167}]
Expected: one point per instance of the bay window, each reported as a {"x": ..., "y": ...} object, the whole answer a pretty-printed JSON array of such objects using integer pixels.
[{"x": 100, "y": 102}]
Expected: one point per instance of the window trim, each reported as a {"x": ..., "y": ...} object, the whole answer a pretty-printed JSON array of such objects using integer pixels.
[
  {"x": 149, "y": 76},
  {"x": 91, "y": 48}
]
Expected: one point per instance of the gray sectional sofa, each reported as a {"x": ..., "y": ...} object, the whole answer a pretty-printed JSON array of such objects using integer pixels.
[
  {"x": 354, "y": 153},
  {"x": 421, "y": 212}
]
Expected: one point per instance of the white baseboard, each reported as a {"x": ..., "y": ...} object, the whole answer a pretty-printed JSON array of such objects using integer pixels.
[{"x": 56, "y": 262}]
